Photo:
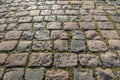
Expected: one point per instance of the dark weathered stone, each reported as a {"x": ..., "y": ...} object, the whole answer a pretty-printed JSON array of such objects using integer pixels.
[
  {"x": 2, "y": 58},
  {"x": 83, "y": 74}
]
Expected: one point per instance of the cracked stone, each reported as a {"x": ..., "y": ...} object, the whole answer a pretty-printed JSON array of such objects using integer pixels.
[
  {"x": 65, "y": 60},
  {"x": 40, "y": 59}
]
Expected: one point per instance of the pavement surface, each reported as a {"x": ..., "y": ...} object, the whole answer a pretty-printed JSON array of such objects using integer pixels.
[{"x": 59, "y": 39}]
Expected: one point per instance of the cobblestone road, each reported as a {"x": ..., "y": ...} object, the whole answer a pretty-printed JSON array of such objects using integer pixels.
[{"x": 59, "y": 39}]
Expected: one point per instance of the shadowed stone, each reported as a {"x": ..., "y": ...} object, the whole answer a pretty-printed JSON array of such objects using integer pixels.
[
  {"x": 83, "y": 74},
  {"x": 2, "y": 58}
]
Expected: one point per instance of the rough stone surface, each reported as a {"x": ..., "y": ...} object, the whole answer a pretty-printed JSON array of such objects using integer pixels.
[
  {"x": 42, "y": 45},
  {"x": 2, "y": 58},
  {"x": 40, "y": 59},
  {"x": 109, "y": 59},
  {"x": 16, "y": 60},
  {"x": 115, "y": 44},
  {"x": 70, "y": 26},
  {"x": 7, "y": 45},
  {"x": 34, "y": 74},
  {"x": 89, "y": 60},
  {"x": 96, "y": 45},
  {"x": 54, "y": 25},
  {"x": 61, "y": 45},
  {"x": 14, "y": 74},
  {"x": 106, "y": 74},
  {"x": 78, "y": 35},
  {"x": 83, "y": 74},
  {"x": 57, "y": 75},
  {"x": 78, "y": 45},
  {"x": 65, "y": 60},
  {"x": 1, "y": 72}
]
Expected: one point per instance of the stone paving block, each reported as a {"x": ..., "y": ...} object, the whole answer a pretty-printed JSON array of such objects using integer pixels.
[
  {"x": 89, "y": 60},
  {"x": 118, "y": 26},
  {"x": 22, "y": 13},
  {"x": 86, "y": 18},
  {"x": 24, "y": 26},
  {"x": 34, "y": 12},
  {"x": 7, "y": 45},
  {"x": 83, "y": 74},
  {"x": 1, "y": 73},
  {"x": 12, "y": 20},
  {"x": 37, "y": 18},
  {"x": 54, "y": 25},
  {"x": 78, "y": 35},
  {"x": 96, "y": 45},
  {"x": 62, "y": 18},
  {"x": 42, "y": 35},
  {"x": 39, "y": 26},
  {"x": 71, "y": 12},
  {"x": 27, "y": 35},
  {"x": 25, "y": 19},
  {"x": 61, "y": 45},
  {"x": 11, "y": 26},
  {"x": 111, "y": 34},
  {"x": 40, "y": 59},
  {"x": 109, "y": 59},
  {"x": 2, "y": 58},
  {"x": 34, "y": 74},
  {"x": 101, "y": 18},
  {"x": 2, "y": 36},
  {"x": 65, "y": 60},
  {"x": 59, "y": 34},
  {"x": 42, "y": 45},
  {"x": 57, "y": 75},
  {"x": 50, "y": 18},
  {"x": 58, "y": 12},
  {"x": 106, "y": 74},
  {"x": 56, "y": 6},
  {"x": 92, "y": 34},
  {"x": 16, "y": 60},
  {"x": 115, "y": 44},
  {"x": 14, "y": 74},
  {"x": 24, "y": 46},
  {"x": 2, "y": 27},
  {"x": 116, "y": 18},
  {"x": 105, "y": 25},
  {"x": 87, "y": 25},
  {"x": 78, "y": 45},
  {"x": 13, "y": 35},
  {"x": 70, "y": 26},
  {"x": 98, "y": 12},
  {"x": 46, "y": 12}
]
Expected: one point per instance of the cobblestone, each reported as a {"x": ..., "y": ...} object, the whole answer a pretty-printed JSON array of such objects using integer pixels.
[{"x": 59, "y": 39}]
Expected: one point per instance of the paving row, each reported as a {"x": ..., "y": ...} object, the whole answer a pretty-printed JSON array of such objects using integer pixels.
[{"x": 59, "y": 39}]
